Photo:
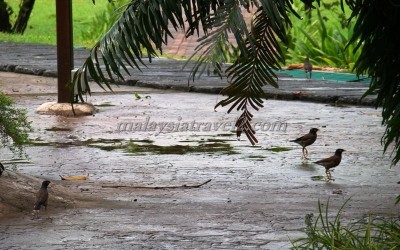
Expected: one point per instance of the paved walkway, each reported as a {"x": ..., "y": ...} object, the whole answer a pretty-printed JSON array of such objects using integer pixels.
[
  {"x": 171, "y": 74},
  {"x": 257, "y": 198}
]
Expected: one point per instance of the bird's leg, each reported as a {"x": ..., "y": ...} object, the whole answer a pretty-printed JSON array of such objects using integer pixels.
[
  {"x": 47, "y": 213},
  {"x": 329, "y": 175},
  {"x": 305, "y": 154},
  {"x": 35, "y": 214}
]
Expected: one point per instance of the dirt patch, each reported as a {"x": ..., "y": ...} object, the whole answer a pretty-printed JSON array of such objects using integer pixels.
[{"x": 18, "y": 192}]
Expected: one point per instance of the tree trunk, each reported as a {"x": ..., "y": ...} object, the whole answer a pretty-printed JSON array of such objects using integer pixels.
[
  {"x": 23, "y": 16},
  {"x": 5, "y": 11}
]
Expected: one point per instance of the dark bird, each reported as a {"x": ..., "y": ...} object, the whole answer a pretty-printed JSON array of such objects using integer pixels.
[
  {"x": 1, "y": 169},
  {"x": 308, "y": 67},
  {"x": 307, "y": 140},
  {"x": 331, "y": 162},
  {"x": 41, "y": 199}
]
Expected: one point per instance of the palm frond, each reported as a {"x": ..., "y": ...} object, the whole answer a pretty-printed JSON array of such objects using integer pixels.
[
  {"x": 226, "y": 19},
  {"x": 197, "y": 14},
  {"x": 251, "y": 72},
  {"x": 143, "y": 26},
  {"x": 376, "y": 35}
]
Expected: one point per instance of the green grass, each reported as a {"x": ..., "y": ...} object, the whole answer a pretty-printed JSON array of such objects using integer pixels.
[
  {"x": 322, "y": 35},
  {"x": 42, "y": 23},
  {"x": 324, "y": 232}
]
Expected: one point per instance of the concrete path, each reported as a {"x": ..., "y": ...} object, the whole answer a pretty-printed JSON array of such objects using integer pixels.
[
  {"x": 257, "y": 198},
  {"x": 170, "y": 74}
]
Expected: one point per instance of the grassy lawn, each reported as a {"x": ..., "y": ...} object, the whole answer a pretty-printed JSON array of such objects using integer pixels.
[
  {"x": 321, "y": 35},
  {"x": 42, "y": 23}
]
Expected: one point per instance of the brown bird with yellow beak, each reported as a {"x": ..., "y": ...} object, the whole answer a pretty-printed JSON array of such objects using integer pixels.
[
  {"x": 307, "y": 140},
  {"x": 331, "y": 162},
  {"x": 41, "y": 199}
]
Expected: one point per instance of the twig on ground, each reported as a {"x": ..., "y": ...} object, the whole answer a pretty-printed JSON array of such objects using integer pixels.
[{"x": 159, "y": 187}]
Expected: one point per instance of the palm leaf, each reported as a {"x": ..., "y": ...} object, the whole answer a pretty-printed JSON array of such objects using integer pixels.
[
  {"x": 376, "y": 35},
  {"x": 252, "y": 71},
  {"x": 143, "y": 26},
  {"x": 227, "y": 18}
]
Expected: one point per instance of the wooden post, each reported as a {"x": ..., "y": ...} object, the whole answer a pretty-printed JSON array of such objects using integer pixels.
[{"x": 65, "y": 53}]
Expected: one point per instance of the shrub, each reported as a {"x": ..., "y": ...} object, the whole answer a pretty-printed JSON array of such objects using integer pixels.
[
  {"x": 369, "y": 233},
  {"x": 322, "y": 35},
  {"x": 14, "y": 126}
]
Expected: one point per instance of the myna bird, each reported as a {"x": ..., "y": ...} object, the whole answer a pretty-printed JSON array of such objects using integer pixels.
[
  {"x": 1, "y": 169},
  {"x": 41, "y": 199},
  {"x": 307, "y": 140},
  {"x": 331, "y": 162},
  {"x": 307, "y": 67}
]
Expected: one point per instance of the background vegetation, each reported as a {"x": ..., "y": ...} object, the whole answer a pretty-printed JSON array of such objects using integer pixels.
[
  {"x": 322, "y": 35},
  {"x": 42, "y": 23},
  {"x": 14, "y": 126}
]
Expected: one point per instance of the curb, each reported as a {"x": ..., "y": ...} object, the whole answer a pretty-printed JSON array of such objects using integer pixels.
[{"x": 334, "y": 100}]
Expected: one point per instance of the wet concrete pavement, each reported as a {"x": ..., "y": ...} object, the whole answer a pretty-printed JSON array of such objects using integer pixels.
[
  {"x": 257, "y": 198},
  {"x": 166, "y": 73}
]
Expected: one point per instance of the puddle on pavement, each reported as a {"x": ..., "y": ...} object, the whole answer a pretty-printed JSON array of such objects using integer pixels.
[
  {"x": 55, "y": 129},
  {"x": 104, "y": 104},
  {"x": 40, "y": 143},
  {"x": 307, "y": 166},
  {"x": 106, "y": 144},
  {"x": 318, "y": 178},
  {"x": 257, "y": 157},
  {"x": 279, "y": 149},
  {"x": 226, "y": 134},
  {"x": 202, "y": 147},
  {"x": 146, "y": 146}
]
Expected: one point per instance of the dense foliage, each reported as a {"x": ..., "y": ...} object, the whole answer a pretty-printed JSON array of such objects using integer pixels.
[
  {"x": 14, "y": 126},
  {"x": 376, "y": 30},
  {"x": 322, "y": 35}
]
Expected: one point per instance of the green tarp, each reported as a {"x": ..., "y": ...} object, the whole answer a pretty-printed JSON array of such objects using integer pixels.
[{"x": 325, "y": 76}]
